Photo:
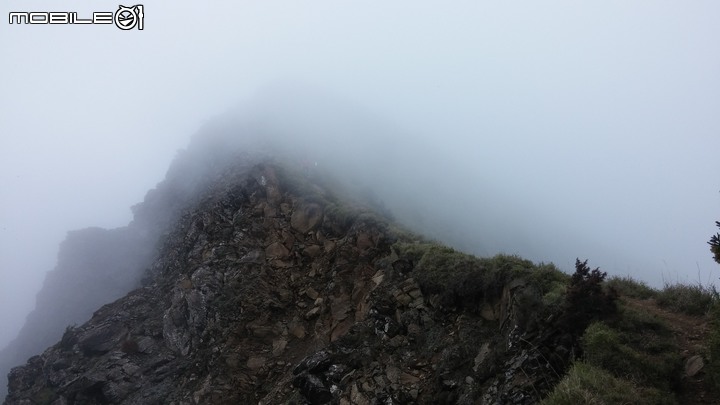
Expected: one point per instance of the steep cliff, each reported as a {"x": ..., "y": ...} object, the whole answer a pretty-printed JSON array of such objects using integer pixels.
[{"x": 272, "y": 287}]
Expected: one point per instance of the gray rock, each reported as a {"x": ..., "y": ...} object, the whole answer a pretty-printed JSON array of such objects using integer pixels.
[{"x": 694, "y": 365}]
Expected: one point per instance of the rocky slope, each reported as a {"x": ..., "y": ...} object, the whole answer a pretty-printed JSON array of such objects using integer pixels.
[
  {"x": 95, "y": 266},
  {"x": 271, "y": 288}
]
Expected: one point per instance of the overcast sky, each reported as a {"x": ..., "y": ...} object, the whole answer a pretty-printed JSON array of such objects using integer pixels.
[{"x": 601, "y": 116}]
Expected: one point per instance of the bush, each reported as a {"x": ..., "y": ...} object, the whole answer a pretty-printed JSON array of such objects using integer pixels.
[
  {"x": 588, "y": 384},
  {"x": 629, "y": 287},
  {"x": 585, "y": 299},
  {"x": 552, "y": 285},
  {"x": 694, "y": 299},
  {"x": 549, "y": 279},
  {"x": 715, "y": 244}
]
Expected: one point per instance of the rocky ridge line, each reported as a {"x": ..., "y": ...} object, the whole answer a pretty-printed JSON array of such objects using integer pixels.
[{"x": 272, "y": 290}]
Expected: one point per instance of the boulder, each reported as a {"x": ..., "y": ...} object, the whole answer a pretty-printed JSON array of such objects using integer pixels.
[
  {"x": 694, "y": 365},
  {"x": 277, "y": 251},
  {"x": 306, "y": 217}
]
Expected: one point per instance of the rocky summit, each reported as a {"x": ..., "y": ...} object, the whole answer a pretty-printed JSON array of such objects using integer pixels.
[{"x": 270, "y": 283}]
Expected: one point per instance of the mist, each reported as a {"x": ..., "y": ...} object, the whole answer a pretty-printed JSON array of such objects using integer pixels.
[{"x": 553, "y": 131}]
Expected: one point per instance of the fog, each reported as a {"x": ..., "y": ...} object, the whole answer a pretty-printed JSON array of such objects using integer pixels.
[{"x": 553, "y": 130}]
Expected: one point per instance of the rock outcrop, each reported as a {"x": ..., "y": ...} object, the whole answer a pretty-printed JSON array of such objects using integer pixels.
[
  {"x": 95, "y": 266},
  {"x": 270, "y": 288}
]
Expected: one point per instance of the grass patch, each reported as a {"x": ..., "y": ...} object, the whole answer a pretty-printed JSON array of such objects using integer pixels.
[
  {"x": 639, "y": 323},
  {"x": 465, "y": 281},
  {"x": 588, "y": 384},
  {"x": 461, "y": 280},
  {"x": 551, "y": 282},
  {"x": 630, "y": 287},
  {"x": 646, "y": 361},
  {"x": 691, "y": 299}
]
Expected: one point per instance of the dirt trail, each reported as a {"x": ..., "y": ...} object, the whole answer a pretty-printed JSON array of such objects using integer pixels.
[{"x": 691, "y": 333}]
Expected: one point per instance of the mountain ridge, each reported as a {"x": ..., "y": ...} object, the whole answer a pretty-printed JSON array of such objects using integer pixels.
[
  {"x": 262, "y": 241},
  {"x": 266, "y": 279}
]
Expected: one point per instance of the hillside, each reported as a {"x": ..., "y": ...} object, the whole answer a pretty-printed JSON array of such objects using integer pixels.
[
  {"x": 274, "y": 283},
  {"x": 657, "y": 349}
]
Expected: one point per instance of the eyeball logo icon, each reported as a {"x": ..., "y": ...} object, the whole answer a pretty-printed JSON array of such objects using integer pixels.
[{"x": 127, "y": 18}]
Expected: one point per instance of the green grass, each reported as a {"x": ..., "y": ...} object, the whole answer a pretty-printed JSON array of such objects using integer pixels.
[
  {"x": 633, "y": 357},
  {"x": 645, "y": 358},
  {"x": 466, "y": 281},
  {"x": 461, "y": 280},
  {"x": 691, "y": 299},
  {"x": 630, "y": 358},
  {"x": 638, "y": 325},
  {"x": 630, "y": 287},
  {"x": 588, "y": 384},
  {"x": 551, "y": 282}
]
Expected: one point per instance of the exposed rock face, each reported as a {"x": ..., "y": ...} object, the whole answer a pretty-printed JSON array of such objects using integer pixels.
[
  {"x": 261, "y": 294},
  {"x": 95, "y": 266}
]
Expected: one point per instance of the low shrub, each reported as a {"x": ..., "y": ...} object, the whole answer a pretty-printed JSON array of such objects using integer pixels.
[
  {"x": 585, "y": 299},
  {"x": 552, "y": 284},
  {"x": 549, "y": 278}
]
